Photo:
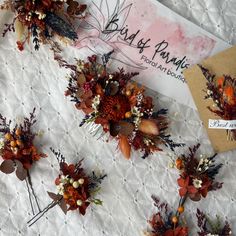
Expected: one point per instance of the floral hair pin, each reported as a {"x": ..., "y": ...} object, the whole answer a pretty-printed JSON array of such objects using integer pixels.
[
  {"x": 118, "y": 105},
  {"x": 76, "y": 189},
  {"x": 40, "y": 19},
  {"x": 210, "y": 227},
  {"x": 197, "y": 177},
  {"x": 165, "y": 222},
  {"x": 18, "y": 151},
  {"x": 222, "y": 90}
]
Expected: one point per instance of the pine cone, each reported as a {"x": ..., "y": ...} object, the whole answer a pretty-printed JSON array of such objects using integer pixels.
[{"x": 61, "y": 27}]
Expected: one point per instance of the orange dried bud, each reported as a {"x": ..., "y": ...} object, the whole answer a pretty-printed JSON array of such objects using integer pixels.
[
  {"x": 181, "y": 209},
  {"x": 128, "y": 93},
  {"x": 220, "y": 81},
  {"x": 179, "y": 163},
  {"x": 18, "y": 132},
  {"x": 13, "y": 144},
  {"x": 128, "y": 114},
  {"x": 229, "y": 93},
  {"x": 175, "y": 219},
  {"x": 8, "y": 136},
  {"x": 19, "y": 142}
]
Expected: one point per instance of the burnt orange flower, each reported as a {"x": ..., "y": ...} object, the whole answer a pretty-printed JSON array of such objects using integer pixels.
[{"x": 113, "y": 108}]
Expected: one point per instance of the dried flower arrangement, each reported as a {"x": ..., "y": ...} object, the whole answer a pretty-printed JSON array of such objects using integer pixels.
[
  {"x": 210, "y": 227},
  {"x": 18, "y": 151},
  {"x": 120, "y": 106},
  {"x": 197, "y": 177},
  {"x": 40, "y": 19},
  {"x": 222, "y": 90},
  {"x": 76, "y": 189},
  {"x": 166, "y": 222}
]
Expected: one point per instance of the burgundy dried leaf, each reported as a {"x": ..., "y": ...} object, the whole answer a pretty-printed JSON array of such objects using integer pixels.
[
  {"x": 126, "y": 128},
  {"x": 195, "y": 197},
  {"x": 54, "y": 196},
  {"x": 63, "y": 206},
  {"x": 114, "y": 129},
  {"x": 7, "y": 166},
  {"x": 21, "y": 172}
]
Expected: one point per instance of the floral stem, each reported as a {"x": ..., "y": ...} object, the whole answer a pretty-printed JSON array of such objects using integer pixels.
[
  {"x": 41, "y": 213},
  {"x": 32, "y": 190}
]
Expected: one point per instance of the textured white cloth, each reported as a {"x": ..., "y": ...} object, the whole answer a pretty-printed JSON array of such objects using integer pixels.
[{"x": 30, "y": 80}]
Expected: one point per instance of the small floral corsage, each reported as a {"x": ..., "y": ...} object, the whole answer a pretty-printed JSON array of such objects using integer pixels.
[
  {"x": 41, "y": 19},
  {"x": 210, "y": 227},
  {"x": 18, "y": 150},
  {"x": 76, "y": 189}
]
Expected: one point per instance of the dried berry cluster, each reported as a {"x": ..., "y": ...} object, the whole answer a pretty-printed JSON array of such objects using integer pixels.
[
  {"x": 17, "y": 148},
  {"x": 222, "y": 90},
  {"x": 119, "y": 105},
  {"x": 41, "y": 19}
]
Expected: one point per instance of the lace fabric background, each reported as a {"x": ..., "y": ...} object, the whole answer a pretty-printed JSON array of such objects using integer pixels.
[{"x": 33, "y": 79}]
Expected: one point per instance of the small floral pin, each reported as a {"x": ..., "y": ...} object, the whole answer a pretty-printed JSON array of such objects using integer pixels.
[
  {"x": 41, "y": 19},
  {"x": 19, "y": 152},
  {"x": 197, "y": 176},
  {"x": 165, "y": 222},
  {"x": 76, "y": 189},
  {"x": 210, "y": 227}
]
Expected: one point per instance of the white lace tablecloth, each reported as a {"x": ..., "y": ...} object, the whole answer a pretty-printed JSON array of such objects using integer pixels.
[{"x": 30, "y": 80}]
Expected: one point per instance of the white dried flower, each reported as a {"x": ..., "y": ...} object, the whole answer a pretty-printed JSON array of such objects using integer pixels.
[{"x": 197, "y": 183}]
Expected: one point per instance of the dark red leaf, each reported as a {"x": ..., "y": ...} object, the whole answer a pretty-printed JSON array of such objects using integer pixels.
[
  {"x": 195, "y": 197},
  {"x": 21, "y": 172},
  {"x": 192, "y": 189},
  {"x": 63, "y": 206},
  {"x": 182, "y": 192},
  {"x": 54, "y": 196},
  {"x": 183, "y": 182},
  {"x": 7, "y": 166}
]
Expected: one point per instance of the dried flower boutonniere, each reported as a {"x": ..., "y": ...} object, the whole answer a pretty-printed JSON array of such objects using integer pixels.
[
  {"x": 118, "y": 105},
  {"x": 222, "y": 90},
  {"x": 76, "y": 189},
  {"x": 18, "y": 151},
  {"x": 197, "y": 177},
  {"x": 41, "y": 19},
  {"x": 210, "y": 227},
  {"x": 165, "y": 222}
]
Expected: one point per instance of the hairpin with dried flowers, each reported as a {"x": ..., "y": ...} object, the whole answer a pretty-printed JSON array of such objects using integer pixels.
[
  {"x": 41, "y": 19},
  {"x": 210, "y": 227},
  {"x": 165, "y": 222},
  {"x": 112, "y": 101},
  {"x": 18, "y": 151},
  {"x": 222, "y": 90},
  {"x": 76, "y": 189}
]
